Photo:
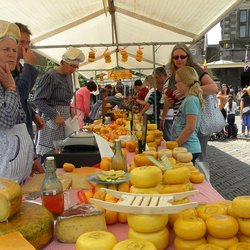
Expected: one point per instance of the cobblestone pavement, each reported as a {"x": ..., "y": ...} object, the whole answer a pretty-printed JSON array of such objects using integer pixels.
[{"x": 229, "y": 164}]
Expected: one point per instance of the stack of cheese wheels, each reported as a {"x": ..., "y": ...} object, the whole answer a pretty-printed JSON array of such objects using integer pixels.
[
  {"x": 134, "y": 244},
  {"x": 241, "y": 209},
  {"x": 151, "y": 139},
  {"x": 176, "y": 180},
  {"x": 149, "y": 227},
  {"x": 222, "y": 230},
  {"x": 96, "y": 240},
  {"x": 146, "y": 180},
  {"x": 190, "y": 232}
]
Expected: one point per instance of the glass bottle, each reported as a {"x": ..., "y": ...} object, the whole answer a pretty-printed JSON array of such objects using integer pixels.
[
  {"x": 52, "y": 189},
  {"x": 118, "y": 162}
]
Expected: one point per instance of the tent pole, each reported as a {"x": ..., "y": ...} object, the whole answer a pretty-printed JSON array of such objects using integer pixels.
[{"x": 153, "y": 47}]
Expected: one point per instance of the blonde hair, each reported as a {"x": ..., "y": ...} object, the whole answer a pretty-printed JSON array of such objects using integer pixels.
[
  {"x": 149, "y": 81},
  {"x": 190, "y": 77}
]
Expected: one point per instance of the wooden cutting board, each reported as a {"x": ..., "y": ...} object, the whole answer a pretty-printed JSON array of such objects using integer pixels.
[{"x": 34, "y": 183}]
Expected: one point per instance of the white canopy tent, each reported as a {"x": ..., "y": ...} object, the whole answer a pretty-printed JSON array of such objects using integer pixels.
[
  {"x": 155, "y": 25},
  {"x": 224, "y": 64}
]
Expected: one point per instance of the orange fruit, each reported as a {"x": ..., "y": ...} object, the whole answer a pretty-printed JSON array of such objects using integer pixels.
[
  {"x": 68, "y": 167},
  {"x": 105, "y": 163}
]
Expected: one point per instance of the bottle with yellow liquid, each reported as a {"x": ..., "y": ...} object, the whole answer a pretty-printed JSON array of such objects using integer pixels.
[{"x": 118, "y": 162}]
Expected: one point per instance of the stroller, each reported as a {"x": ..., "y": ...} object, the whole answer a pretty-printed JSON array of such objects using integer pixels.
[{"x": 221, "y": 136}]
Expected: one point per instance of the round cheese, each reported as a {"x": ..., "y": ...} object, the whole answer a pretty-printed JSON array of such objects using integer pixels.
[
  {"x": 176, "y": 175},
  {"x": 10, "y": 198},
  {"x": 145, "y": 177},
  {"x": 241, "y": 206},
  {"x": 244, "y": 225},
  {"x": 243, "y": 238},
  {"x": 222, "y": 226},
  {"x": 34, "y": 222},
  {"x": 178, "y": 150},
  {"x": 190, "y": 227},
  {"x": 96, "y": 240},
  {"x": 181, "y": 244},
  {"x": 147, "y": 223},
  {"x": 160, "y": 238},
  {"x": 134, "y": 244},
  {"x": 208, "y": 247},
  {"x": 240, "y": 246},
  {"x": 184, "y": 157},
  {"x": 225, "y": 243},
  {"x": 210, "y": 209},
  {"x": 176, "y": 188},
  {"x": 151, "y": 190}
]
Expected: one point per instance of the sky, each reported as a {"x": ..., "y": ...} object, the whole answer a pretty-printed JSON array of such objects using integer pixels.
[{"x": 214, "y": 35}]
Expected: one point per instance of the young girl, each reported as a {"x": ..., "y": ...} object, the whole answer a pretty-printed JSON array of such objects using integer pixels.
[
  {"x": 230, "y": 108},
  {"x": 187, "y": 121}
]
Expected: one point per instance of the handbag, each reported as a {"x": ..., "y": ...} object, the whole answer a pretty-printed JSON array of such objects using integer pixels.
[{"x": 212, "y": 120}]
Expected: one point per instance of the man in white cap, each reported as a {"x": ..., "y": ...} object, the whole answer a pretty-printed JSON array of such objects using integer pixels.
[{"x": 52, "y": 97}]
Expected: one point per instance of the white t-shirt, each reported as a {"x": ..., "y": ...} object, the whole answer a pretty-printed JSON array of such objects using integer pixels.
[{"x": 233, "y": 110}]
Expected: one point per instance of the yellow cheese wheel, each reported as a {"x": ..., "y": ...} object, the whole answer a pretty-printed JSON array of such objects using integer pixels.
[
  {"x": 10, "y": 198},
  {"x": 14, "y": 241},
  {"x": 187, "y": 212},
  {"x": 226, "y": 204},
  {"x": 152, "y": 126},
  {"x": 34, "y": 222},
  {"x": 151, "y": 190},
  {"x": 164, "y": 151},
  {"x": 190, "y": 227},
  {"x": 241, "y": 206},
  {"x": 171, "y": 144},
  {"x": 176, "y": 175},
  {"x": 184, "y": 157},
  {"x": 176, "y": 188},
  {"x": 134, "y": 244},
  {"x": 160, "y": 238},
  {"x": 209, "y": 210},
  {"x": 240, "y": 246},
  {"x": 225, "y": 243},
  {"x": 142, "y": 160},
  {"x": 181, "y": 244},
  {"x": 196, "y": 177},
  {"x": 222, "y": 226},
  {"x": 208, "y": 247},
  {"x": 145, "y": 177},
  {"x": 96, "y": 240},
  {"x": 147, "y": 223},
  {"x": 178, "y": 150},
  {"x": 244, "y": 225},
  {"x": 150, "y": 152},
  {"x": 243, "y": 238}
]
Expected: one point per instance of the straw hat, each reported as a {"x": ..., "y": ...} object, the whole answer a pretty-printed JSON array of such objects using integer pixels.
[
  {"x": 9, "y": 29},
  {"x": 73, "y": 55}
]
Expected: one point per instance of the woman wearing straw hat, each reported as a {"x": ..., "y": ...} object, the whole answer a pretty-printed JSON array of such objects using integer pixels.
[
  {"x": 16, "y": 147},
  {"x": 53, "y": 96}
]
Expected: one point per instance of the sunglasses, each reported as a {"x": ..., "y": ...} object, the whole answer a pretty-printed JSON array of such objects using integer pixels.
[{"x": 180, "y": 56}]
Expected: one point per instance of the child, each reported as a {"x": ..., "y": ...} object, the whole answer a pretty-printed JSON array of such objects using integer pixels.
[
  {"x": 230, "y": 108},
  {"x": 187, "y": 121}
]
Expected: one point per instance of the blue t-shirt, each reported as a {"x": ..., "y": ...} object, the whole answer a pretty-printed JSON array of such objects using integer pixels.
[{"x": 189, "y": 106}]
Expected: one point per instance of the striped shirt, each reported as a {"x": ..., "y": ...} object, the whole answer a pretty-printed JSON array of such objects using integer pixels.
[
  {"x": 151, "y": 101},
  {"x": 53, "y": 89}
]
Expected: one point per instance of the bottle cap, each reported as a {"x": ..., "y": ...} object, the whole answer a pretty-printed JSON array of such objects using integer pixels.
[{"x": 50, "y": 158}]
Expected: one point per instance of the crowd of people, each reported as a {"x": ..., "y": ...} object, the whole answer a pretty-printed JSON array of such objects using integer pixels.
[{"x": 172, "y": 97}]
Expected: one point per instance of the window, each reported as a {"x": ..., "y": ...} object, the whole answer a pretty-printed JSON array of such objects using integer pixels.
[{"x": 244, "y": 23}]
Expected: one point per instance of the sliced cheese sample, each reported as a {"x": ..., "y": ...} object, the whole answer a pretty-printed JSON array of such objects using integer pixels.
[
  {"x": 34, "y": 222},
  {"x": 96, "y": 240},
  {"x": 14, "y": 241},
  {"x": 10, "y": 198},
  {"x": 79, "y": 219}
]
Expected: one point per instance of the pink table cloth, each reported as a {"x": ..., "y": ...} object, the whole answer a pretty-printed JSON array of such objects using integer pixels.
[{"x": 207, "y": 194}]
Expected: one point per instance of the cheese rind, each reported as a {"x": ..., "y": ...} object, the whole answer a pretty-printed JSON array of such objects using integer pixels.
[
  {"x": 10, "y": 198},
  {"x": 79, "y": 219},
  {"x": 34, "y": 222}
]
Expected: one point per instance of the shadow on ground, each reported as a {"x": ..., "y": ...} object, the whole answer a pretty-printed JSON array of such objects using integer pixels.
[{"x": 228, "y": 175}]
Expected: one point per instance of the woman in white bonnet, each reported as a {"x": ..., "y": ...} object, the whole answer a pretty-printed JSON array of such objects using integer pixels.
[
  {"x": 16, "y": 147},
  {"x": 52, "y": 97}
]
